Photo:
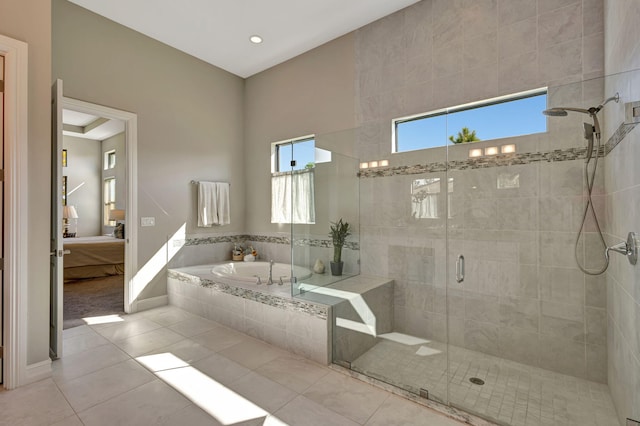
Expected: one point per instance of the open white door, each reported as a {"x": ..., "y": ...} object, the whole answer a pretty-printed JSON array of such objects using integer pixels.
[
  {"x": 2, "y": 213},
  {"x": 56, "y": 264}
]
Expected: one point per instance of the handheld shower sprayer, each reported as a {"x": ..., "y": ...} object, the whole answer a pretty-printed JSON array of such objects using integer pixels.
[{"x": 591, "y": 133}]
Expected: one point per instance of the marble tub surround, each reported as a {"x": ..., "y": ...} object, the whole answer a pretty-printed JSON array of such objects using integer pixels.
[
  {"x": 298, "y": 326},
  {"x": 204, "y": 249},
  {"x": 302, "y": 325}
]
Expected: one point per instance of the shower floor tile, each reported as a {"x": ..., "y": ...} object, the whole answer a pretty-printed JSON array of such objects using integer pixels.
[{"x": 513, "y": 393}]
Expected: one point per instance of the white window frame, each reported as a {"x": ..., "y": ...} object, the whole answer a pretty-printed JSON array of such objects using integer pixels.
[
  {"x": 458, "y": 108},
  {"x": 109, "y": 196},
  {"x": 107, "y": 157}
]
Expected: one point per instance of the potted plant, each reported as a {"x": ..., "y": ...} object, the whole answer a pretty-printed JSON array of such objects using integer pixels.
[{"x": 339, "y": 233}]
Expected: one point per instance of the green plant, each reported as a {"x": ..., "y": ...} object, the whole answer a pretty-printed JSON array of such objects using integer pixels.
[
  {"x": 464, "y": 136},
  {"x": 339, "y": 232}
]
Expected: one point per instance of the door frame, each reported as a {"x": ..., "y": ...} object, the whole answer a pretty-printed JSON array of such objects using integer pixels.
[
  {"x": 16, "y": 141},
  {"x": 131, "y": 209}
]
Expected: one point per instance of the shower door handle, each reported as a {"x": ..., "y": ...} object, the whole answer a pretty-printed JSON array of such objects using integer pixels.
[{"x": 460, "y": 268}]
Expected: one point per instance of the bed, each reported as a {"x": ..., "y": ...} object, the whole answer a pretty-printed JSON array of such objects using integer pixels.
[{"x": 91, "y": 257}]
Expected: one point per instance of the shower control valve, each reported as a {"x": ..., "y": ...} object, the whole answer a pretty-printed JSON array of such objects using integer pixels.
[{"x": 628, "y": 248}]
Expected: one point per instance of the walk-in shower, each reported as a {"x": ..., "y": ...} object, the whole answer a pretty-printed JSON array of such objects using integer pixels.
[{"x": 591, "y": 132}]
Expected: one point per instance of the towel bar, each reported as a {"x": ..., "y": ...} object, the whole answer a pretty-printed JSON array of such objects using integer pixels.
[{"x": 195, "y": 182}]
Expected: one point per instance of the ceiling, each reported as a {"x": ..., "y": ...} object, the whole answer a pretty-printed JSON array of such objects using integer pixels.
[
  {"x": 218, "y": 31},
  {"x": 89, "y": 126}
]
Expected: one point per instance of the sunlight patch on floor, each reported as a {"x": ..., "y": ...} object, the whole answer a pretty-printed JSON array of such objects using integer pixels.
[
  {"x": 426, "y": 351},
  {"x": 105, "y": 319},
  {"x": 220, "y": 402},
  {"x": 405, "y": 339}
]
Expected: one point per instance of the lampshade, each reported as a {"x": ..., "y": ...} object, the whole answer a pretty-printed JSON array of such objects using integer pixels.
[
  {"x": 116, "y": 214},
  {"x": 69, "y": 212}
]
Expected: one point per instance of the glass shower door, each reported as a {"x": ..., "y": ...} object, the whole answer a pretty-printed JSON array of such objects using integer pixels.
[
  {"x": 516, "y": 312},
  {"x": 403, "y": 224}
]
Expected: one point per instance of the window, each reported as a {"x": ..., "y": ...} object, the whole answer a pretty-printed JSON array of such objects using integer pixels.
[
  {"x": 513, "y": 115},
  {"x": 292, "y": 181},
  {"x": 109, "y": 192},
  {"x": 301, "y": 151},
  {"x": 109, "y": 160}
]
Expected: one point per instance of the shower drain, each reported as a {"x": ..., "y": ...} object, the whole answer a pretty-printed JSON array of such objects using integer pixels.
[{"x": 476, "y": 381}]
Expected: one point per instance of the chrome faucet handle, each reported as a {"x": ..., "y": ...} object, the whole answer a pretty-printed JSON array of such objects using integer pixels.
[
  {"x": 282, "y": 282},
  {"x": 258, "y": 282}
]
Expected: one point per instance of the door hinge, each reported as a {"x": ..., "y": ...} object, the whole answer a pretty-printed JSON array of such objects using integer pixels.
[
  {"x": 1, "y": 175},
  {"x": 1, "y": 263},
  {"x": 1, "y": 86},
  {"x": 1, "y": 352}
]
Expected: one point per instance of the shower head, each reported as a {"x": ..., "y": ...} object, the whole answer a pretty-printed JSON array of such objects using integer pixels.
[
  {"x": 555, "y": 112},
  {"x": 564, "y": 111}
]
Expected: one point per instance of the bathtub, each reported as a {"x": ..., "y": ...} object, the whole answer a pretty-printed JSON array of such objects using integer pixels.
[{"x": 248, "y": 272}]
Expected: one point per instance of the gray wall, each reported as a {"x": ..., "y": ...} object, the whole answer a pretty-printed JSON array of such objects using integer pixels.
[
  {"x": 84, "y": 184},
  {"x": 622, "y": 182},
  {"x": 310, "y": 94},
  {"x": 30, "y": 21},
  {"x": 190, "y": 119}
]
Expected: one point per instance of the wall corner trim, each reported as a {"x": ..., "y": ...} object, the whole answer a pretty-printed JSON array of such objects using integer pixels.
[{"x": 15, "y": 217}]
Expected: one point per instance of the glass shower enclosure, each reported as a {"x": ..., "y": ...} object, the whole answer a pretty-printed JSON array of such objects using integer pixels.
[
  {"x": 330, "y": 186},
  {"x": 491, "y": 312}
]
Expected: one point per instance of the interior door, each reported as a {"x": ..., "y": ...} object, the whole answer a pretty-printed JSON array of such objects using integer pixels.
[
  {"x": 56, "y": 277},
  {"x": 1, "y": 216}
]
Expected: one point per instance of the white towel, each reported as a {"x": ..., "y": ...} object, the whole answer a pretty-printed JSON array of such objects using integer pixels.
[
  {"x": 207, "y": 208},
  {"x": 222, "y": 201},
  {"x": 213, "y": 204}
]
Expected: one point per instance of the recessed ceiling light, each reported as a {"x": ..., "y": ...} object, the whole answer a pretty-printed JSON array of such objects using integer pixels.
[{"x": 256, "y": 39}]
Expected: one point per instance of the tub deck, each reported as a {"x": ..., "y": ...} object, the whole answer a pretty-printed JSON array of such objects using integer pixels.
[{"x": 300, "y": 324}]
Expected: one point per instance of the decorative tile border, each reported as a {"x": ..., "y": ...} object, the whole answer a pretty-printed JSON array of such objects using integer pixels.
[
  {"x": 481, "y": 163},
  {"x": 242, "y": 239},
  {"x": 315, "y": 310},
  {"x": 236, "y": 239},
  {"x": 501, "y": 160}
]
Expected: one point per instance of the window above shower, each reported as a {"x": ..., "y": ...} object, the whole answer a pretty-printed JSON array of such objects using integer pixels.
[{"x": 507, "y": 116}]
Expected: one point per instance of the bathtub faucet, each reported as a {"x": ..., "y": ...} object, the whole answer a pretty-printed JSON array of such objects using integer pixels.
[{"x": 270, "y": 282}]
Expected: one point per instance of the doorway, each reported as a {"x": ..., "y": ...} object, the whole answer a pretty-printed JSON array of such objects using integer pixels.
[
  {"x": 2, "y": 215},
  {"x": 105, "y": 196}
]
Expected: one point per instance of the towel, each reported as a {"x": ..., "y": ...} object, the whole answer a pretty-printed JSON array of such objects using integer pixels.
[
  {"x": 213, "y": 204},
  {"x": 222, "y": 201}
]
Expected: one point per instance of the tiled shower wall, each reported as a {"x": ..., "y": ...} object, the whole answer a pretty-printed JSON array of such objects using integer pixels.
[
  {"x": 523, "y": 297},
  {"x": 622, "y": 182}
]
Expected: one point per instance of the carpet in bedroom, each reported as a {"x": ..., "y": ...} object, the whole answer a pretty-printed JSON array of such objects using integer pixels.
[{"x": 91, "y": 298}]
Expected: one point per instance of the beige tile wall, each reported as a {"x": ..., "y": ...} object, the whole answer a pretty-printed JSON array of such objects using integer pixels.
[
  {"x": 622, "y": 180},
  {"x": 523, "y": 297}
]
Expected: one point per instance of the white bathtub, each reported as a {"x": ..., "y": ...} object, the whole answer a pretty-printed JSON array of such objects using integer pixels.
[{"x": 250, "y": 271}]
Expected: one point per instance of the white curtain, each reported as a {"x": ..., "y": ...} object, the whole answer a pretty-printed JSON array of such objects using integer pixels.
[
  {"x": 427, "y": 208},
  {"x": 292, "y": 197}
]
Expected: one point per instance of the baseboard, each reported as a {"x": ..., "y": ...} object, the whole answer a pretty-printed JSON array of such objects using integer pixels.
[
  {"x": 35, "y": 372},
  {"x": 152, "y": 302}
]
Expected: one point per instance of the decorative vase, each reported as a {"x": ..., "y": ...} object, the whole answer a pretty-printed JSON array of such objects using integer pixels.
[
  {"x": 318, "y": 268},
  {"x": 336, "y": 268}
]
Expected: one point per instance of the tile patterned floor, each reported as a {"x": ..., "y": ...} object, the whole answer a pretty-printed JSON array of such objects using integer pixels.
[
  {"x": 513, "y": 393},
  {"x": 168, "y": 367}
]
